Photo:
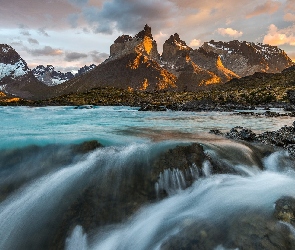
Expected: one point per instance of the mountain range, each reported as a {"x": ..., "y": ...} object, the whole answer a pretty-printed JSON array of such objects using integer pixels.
[
  {"x": 49, "y": 76},
  {"x": 135, "y": 64}
]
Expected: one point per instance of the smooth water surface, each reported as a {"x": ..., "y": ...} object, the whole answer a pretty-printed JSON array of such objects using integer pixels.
[{"x": 20, "y": 126}]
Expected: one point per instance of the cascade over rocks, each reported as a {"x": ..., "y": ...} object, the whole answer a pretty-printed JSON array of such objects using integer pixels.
[{"x": 141, "y": 183}]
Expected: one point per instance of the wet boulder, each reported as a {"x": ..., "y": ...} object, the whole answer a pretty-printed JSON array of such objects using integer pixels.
[
  {"x": 285, "y": 209},
  {"x": 150, "y": 107},
  {"x": 244, "y": 230},
  {"x": 215, "y": 132},
  {"x": 178, "y": 168},
  {"x": 240, "y": 133},
  {"x": 86, "y": 146}
]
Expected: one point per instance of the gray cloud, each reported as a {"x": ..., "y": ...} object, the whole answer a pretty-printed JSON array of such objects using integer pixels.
[
  {"x": 98, "y": 57},
  {"x": 73, "y": 20},
  {"x": 35, "y": 13},
  {"x": 74, "y": 56},
  {"x": 33, "y": 41},
  {"x": 16, "y": 43},
  {"x": 78, "y": 2},
  {"x": 129, "y": 15},
  {"x": 268, "y": 7},
  {"x": 24, "y": 30},
  {"x": 42, "y": 31},
  {"x": 25, "y": 33},
  {"x": 45, "y": 51}
]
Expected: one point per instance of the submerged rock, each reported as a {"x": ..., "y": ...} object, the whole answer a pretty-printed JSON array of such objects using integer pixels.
[
  {"x": 86, "y": 147},
  {"x": 285, "y": 209},
  {"x": 246, "y": 230}
]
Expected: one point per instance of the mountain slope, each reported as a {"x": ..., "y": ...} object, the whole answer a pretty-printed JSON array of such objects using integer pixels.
[
  {"x": 133, "y": 64},
  {"x": 15, "y": 76},
  {"x": 245, "y": 58},
  {"x": 49, "y": 76}
]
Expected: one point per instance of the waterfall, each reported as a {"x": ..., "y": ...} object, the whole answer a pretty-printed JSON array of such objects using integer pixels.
[
  {"x": 215, "y": 200},
  {"x": 119, "y": 187}
]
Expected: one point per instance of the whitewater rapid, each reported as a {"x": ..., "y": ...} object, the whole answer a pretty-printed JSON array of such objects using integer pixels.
[{"x": 127, "y": 193}]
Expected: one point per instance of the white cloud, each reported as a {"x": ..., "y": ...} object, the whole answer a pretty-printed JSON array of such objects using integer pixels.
[
  {"x": 195, "y": 43},
  {"x": 277, "y": 36},
  {"x": 229, "y": 32},
  {"x": 289, "y": 17}
]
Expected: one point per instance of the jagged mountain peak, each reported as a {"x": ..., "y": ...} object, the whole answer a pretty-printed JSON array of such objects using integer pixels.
[
  {"x": 146, "y": 32},
  {"x": 123, "y": 39},
  {"x": 11, "y": 64},
  {"x": 5, "y": 48},
  {"x": 174, "y": 49},
  {"x": 246, "y": 58},
  {"x": 49, "y": 76},
  {"x": 175, "y": 40},
  {"x": 15, "y": 76},
  {"x": 141, "y": 44}
]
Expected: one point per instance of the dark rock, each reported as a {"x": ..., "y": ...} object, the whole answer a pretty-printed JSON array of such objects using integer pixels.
[
  {"x": 291, "y": 96},
  {"x": 240, "y": 133},
  {"x": 258, "y": 231},
  {"x": 147, "y": 31},
  {"x": 248, "y": 230},
  {"x": 215, "y": 132},
  {"x": 285, "y": 209},
  {"x": 150, "y": 107},
  {"x": 87, "y": 146},
  {"x": 123, "y": 39}
]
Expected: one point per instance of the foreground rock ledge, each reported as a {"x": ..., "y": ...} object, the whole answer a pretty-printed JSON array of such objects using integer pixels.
[{"x": 284, "y": 137}]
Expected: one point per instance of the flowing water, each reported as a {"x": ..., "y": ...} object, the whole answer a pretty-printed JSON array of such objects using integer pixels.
[{"x": 146, "y": 187}]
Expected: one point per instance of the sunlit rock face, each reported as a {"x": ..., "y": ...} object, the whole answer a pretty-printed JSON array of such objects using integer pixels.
[
  {"x": 134, "y": 64},
  {"x": 194, "y": 68},
  {"x": 173, "y": 48},
  {"x": 246, "y": 58},
  {"x": 15, "y": 77},
  {"x": 142, "y": 43}
]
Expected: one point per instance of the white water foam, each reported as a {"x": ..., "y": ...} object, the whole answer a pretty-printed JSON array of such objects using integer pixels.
[
  {"x": 215, "y": 198},
  {"x": 77, "y": 240}
]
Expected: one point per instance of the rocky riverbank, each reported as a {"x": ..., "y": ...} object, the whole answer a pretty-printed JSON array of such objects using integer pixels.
[{"x": 284, "y": 137}]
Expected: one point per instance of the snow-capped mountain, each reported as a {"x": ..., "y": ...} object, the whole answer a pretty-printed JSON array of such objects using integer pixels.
[
  {"x": 11, "y": 64},
  {"x": 246, "y": 58},
  {"x": 15, "y": 76},
  {"x": 49, "y": 76}
]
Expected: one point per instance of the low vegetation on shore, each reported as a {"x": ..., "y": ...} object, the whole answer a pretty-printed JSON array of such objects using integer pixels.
[{"x": 257, "y": 89}]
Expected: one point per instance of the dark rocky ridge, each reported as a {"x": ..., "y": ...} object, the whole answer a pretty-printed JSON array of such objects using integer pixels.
[
  {"x": 16, "y": 78},
  {"x": 49, "y": 76},
  {"x": 245, "y": 58},
  {"x": 180, "y": 68}
]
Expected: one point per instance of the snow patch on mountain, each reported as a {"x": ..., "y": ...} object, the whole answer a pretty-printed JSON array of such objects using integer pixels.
[
  {"x": 3, "y": 87},
  {"x": 13, "y": 70},
  {"x": 5, "y": 49},
  {"x": 49, "y": 76}
]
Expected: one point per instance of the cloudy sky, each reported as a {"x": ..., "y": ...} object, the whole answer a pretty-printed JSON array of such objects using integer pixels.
[{"x": 71, "y": 33}]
